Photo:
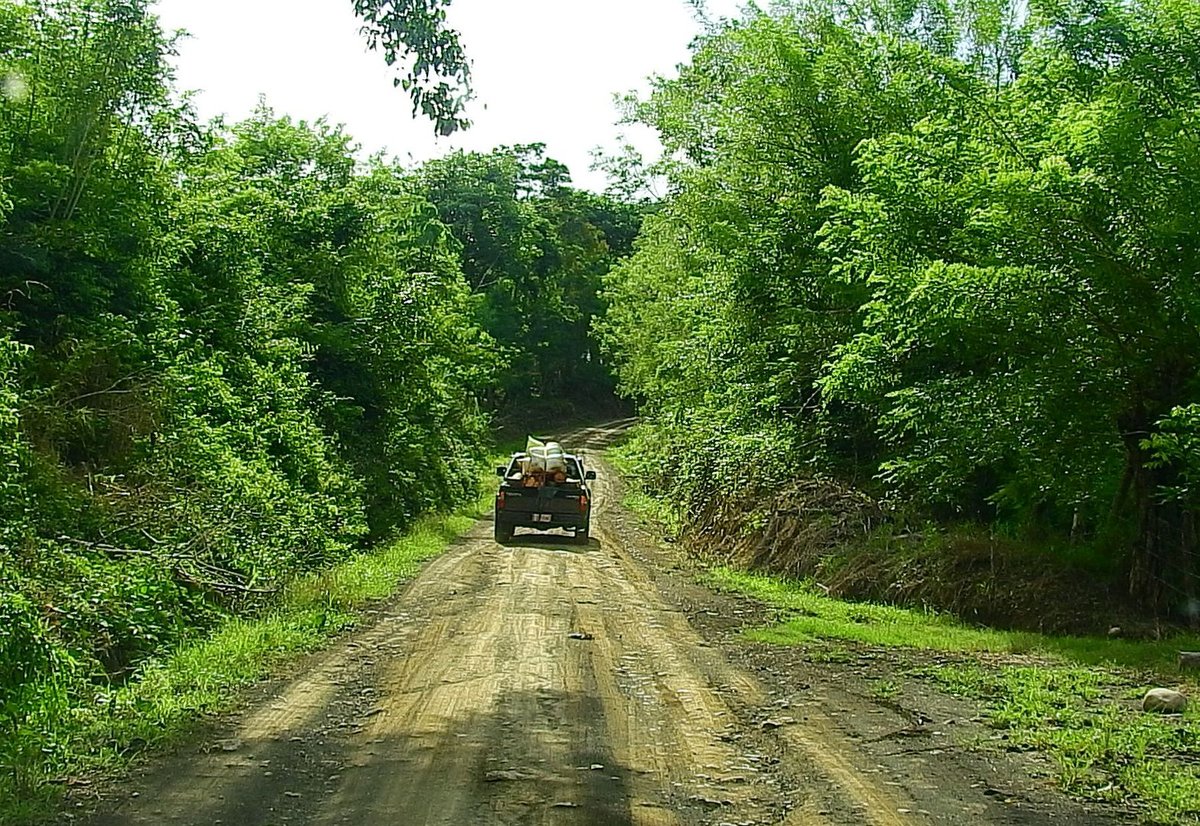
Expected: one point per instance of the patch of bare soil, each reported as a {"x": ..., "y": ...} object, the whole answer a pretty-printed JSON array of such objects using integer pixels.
[{"x": 550, "y": 683}]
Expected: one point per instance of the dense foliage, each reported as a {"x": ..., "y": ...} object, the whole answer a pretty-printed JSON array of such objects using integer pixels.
[
  {"x": 534, "y": 251},
  {"x": 228, "y": 354},
  {"x": 948, "y": 250}
]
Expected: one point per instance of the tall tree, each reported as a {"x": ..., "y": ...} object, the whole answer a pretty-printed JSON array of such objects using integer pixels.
[
  {"x": 228, "y": 355},
  {"x": 949, "y": 246},
  {"x": 1027, "y": 248},
  {"x": 533, "y": 250}
]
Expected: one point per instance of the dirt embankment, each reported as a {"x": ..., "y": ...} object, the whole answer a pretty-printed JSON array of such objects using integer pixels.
[
  {"x": 841, "y": 538},
  {"x": 549, "y": 683}
]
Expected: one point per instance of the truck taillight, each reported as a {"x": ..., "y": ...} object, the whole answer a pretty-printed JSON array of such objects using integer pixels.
[
  {"x": 583, "y": 503},
  {"x": 500, "y": 500}
]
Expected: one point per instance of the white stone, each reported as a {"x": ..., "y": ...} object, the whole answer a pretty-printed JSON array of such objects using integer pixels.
[{"x": 1164, "y": 700}]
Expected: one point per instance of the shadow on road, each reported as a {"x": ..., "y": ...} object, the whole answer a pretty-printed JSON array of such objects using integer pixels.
[
  {"x": 530, "y": 755},
  {"x": 553, "y": 542}
]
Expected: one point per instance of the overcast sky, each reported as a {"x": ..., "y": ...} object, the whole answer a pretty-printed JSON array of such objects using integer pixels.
[{"x": 544, "y": 70}]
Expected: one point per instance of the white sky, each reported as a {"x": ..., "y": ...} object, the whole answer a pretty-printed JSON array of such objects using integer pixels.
[{"x": 545, "y": 70}]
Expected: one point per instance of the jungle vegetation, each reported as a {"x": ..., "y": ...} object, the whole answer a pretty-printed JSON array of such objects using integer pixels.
[
  {"x": 947, "y": 251},
  {"x": 943, "y": 250},
  {"x": 233, "y": 353}
]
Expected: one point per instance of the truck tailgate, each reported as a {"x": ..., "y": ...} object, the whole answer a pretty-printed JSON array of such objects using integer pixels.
[{"x": 541, "y": 500}]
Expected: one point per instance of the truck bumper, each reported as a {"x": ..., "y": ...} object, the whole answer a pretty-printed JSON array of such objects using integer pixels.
[{"x": 530, "y": 520}]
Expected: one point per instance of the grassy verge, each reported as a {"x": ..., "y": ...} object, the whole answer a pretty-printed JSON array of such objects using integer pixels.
[
  {"x": 1088, "y": 721},
  {"x": 658, "y": 510},
  {"x": 1074, "y": 698},
  {"x": 812, "y": 615},
  {"x": 169, "y": 697}
]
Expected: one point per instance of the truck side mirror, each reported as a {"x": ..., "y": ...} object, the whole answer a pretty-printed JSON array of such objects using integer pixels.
[
  {"x": 500, "y": 471},
  {"x": 590, "y": 475}
]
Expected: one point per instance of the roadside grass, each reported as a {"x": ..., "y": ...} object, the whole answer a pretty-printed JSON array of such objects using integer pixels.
[
  {"x": 1078, "y": 703},
  {"x": 204, "y": 677},
  {"x": 810, "y": 614},
  {"x": 653, "y": 509},
  {"x": 647, "y": 507},
  {"x": 1089, "y": 722},
  {"x": 70, "y": 743}
]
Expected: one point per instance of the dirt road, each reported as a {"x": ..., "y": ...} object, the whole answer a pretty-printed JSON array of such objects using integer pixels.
[{"x": 548, "y": 683}]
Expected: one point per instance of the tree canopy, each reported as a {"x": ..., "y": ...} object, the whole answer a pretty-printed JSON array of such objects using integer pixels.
[
  {"x": 431, "y": 65},
  {"x": 534, "y": 250},
  {"x": 950, "y": 248}
]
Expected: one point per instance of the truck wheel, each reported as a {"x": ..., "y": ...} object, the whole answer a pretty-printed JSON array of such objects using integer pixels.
[
  {"x": 581, "y": 536},
  {"x": 504, "y": 532}
]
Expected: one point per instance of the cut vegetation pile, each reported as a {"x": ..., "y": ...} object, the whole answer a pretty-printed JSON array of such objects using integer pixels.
[
  {"x": 843, "y": 539},
  {"x": 792, "y": 534}
]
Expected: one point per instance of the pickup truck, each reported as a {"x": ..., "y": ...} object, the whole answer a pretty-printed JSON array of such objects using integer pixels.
[{"x": 566, "y": 504}]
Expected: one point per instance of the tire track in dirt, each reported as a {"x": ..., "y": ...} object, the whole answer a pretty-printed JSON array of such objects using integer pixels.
[
  {"x": 543, "y": 683},
  {"x": 871, "y": 804}
]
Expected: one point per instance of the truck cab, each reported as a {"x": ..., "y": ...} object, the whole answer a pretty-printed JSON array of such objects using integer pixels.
[{"x": 543, "y": 501}]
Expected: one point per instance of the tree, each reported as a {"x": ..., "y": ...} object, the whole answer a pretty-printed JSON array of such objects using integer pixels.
[
  {"x": 948, "y": 246},
  {"x": 228, "y": 356},
  {"x": 1031, "y": 328},
  {"x": 533, "y": 250},
  {"x": 432, "y": 66},
  {"x": 730, "y": 307}
]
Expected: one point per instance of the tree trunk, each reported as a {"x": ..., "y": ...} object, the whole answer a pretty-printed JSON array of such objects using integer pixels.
[{"x": 1162, "y": 571}]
